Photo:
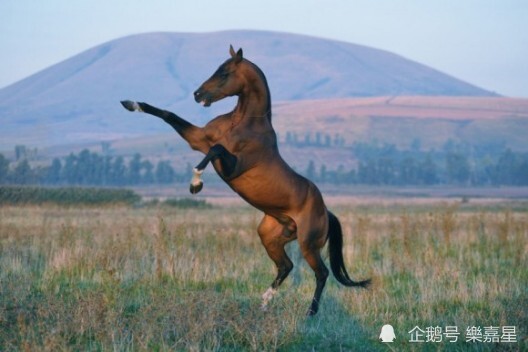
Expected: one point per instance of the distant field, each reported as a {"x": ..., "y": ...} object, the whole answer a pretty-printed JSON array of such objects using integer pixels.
[
  {"x": 412, "y": 106},
  {"x": 159, "y": 278},
  {"x": 400, "y": 120},
  {"x": 354, "y": 194}
]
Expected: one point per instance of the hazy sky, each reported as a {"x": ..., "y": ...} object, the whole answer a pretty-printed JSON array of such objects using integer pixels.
[{"x": 484, "y": 42}]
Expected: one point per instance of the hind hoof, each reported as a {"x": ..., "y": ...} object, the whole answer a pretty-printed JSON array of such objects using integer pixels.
[
  {"x": 311, "y": 312},
  {"x": 196, "y": 188}
]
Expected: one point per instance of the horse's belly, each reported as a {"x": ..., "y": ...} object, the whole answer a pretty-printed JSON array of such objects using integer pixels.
[{"x": 271, "y": 192}]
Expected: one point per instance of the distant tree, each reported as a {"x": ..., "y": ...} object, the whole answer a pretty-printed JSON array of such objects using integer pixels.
[
  {"x": 118, "y": 171},
  {"x": 69, "y": 170},
  {"x": 134, "y": 170},
  {"x": 449, "y": 146},
  {"x": 457, "y": 168},
  {"x": 289, "y": 138},
  {"x": 106, "y": 147},
  {"x": 106, "y": 171},
  {"x": 164, "y": 172},
  {"x": 20, "y": 152},
  {"x": 310, "y": 171},
  {"x": 386, "y": 171},
  {"x": 148, "y": 176},
  {"x": 408, "y": 171},
  {"x": 318, "y": 139},
  {"x": 367, "y": 172},
  {"x": 84, "y": 168},
  {"x": 522, "y": 172},
  {"x": 328, "y": 141},
  {"x": 339, "y": 141},
  {"x": 54, "y": 172},
  {"x": 341, "y": 176},
  {"x": 295, "y": 139},
  {"x": 307, "y": 140},
  {"x": 323, "y": 174},
  {"x": 511, "y": 169},
  {"x": 4, "y": 169},
  {"x": 22, "y": 174},
  {"x": 484, "y": 171},
  {"x": 428, "y": 171},
  {"x": 98, "y": 169},
  {"x": 351, "y": 177},
  {"x": 416, "y": 145}
]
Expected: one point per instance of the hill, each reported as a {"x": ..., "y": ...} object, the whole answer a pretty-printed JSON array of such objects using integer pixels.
[
  {"x": 407, "y": 122},
  {"x": 77, "y": 99}
]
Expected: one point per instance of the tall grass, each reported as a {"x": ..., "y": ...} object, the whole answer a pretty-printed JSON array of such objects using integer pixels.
[{"x": 116, "y": 278}]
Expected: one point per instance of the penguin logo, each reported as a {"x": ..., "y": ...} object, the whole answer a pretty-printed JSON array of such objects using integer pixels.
[{"x": 387, "y": 333}]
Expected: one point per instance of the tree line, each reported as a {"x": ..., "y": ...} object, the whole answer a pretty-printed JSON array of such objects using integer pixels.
[
  {"x": 454, "y": 164},
  {"x": 319, "y": 139},
  {"x": 91, "y": 169}
]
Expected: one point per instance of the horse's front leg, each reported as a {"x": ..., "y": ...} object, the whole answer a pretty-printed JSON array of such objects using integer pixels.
[
  {"x": 228, "y": 163},
  {"x": 194, "y": 135}
]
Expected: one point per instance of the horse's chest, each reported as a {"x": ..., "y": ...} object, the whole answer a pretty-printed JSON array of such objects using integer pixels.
[{"x": 230, "y": 138}]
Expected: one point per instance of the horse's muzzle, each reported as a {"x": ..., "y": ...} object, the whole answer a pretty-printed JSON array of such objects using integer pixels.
[{"x": 202, "y": 97}]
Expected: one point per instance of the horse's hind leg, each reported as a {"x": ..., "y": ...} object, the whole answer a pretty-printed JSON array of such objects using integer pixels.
[
  {"x": 311, "y": 240},
  {"x": 274, "y": 237},
  {"x": 313, "y": 257}
]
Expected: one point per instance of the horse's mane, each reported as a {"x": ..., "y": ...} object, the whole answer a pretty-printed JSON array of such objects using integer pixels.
[{"x": 265, "y": 81}]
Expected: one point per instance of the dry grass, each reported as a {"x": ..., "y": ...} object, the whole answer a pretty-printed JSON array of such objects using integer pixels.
[{"x": 168, "y": 279}]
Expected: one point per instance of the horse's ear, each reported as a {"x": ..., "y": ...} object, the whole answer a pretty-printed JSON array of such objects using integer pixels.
[{"x": 238, "y": 56}]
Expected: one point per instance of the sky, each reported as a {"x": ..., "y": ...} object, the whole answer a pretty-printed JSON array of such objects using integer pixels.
[{"x": 483, "y": 42}]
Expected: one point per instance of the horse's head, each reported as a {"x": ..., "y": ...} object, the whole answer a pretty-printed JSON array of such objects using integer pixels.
[{"x": 227, "y": 80}]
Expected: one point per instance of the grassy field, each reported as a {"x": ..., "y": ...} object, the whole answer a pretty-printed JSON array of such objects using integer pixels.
[{"x": 159, "y": 278}]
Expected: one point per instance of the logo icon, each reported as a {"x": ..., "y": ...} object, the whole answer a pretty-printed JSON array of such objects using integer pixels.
[{"x": 387, "y": 333}]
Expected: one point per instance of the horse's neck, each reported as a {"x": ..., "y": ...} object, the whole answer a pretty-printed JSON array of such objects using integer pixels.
[
  {"x": 254, "y": 101},
  {"x": 252, "y": 107}
]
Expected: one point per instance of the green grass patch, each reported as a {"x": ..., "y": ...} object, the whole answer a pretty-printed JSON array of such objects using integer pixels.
[{"x": 16, "y": 195}]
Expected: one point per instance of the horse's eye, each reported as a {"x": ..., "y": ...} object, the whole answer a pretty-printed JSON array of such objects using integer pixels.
[{"x": 224, "y": 75}]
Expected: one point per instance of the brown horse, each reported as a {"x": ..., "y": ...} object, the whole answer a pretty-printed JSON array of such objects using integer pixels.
[{"x": 242, "y": 147}]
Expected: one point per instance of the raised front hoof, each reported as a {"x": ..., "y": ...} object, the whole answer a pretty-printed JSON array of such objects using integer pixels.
[
  {"x": 129, "y": 105},
  {"x": 196, "y": 188}
]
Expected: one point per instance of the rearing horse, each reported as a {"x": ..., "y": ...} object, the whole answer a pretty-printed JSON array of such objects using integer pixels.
[{"x": 242, "y": 147}]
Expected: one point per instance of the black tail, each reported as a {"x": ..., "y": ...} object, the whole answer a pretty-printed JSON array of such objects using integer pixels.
[{"x": 335, "y": 252}]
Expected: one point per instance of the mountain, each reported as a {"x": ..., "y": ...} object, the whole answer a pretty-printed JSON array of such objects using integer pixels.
[{"x": 78, "y": 99}]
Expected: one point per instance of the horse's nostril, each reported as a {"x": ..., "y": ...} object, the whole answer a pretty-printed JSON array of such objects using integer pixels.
[{"x": 198, "y": 96}]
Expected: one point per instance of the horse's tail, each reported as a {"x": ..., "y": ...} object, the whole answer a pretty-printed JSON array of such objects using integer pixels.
[{"x": 335, "y": 252}]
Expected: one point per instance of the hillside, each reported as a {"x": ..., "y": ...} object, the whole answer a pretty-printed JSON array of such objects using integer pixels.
[
  {"x": 401, "y": 120},
  {"x": 77, "y": 99},
  {"x": 406, "y": 122}
]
